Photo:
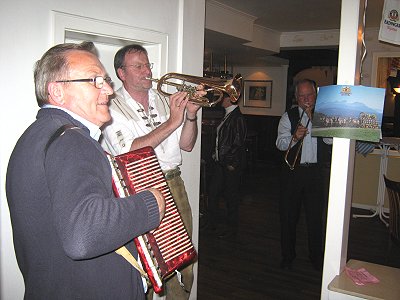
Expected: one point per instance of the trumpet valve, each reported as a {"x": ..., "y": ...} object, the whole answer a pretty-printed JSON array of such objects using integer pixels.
[{"x": 191, "y": 90}]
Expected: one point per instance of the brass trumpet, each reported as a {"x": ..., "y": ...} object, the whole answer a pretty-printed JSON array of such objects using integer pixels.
[
  {"x": 232, "y": 87},
  {"x": 291, "y": 165}
]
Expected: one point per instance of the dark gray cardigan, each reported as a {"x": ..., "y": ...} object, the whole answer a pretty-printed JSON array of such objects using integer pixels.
[{"x": 66, "y": 221}]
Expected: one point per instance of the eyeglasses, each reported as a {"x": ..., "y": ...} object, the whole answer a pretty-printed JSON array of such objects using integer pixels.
[
  {"x": 304, "y": 97},
  {"x": 139, "y": 67},
  {"x": 97, "y": 81}
]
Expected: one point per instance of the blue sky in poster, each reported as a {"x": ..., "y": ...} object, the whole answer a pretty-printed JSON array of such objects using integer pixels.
[{"x": 334, "y": 100}]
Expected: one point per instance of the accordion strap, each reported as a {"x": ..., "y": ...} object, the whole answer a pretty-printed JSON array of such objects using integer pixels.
[
  {"x": 59, "y": 132},
  {"x": 129, "y": 257}
]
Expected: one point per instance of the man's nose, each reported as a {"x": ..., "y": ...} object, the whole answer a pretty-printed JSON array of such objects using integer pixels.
[
  {"x": 107, "y": 88},
  {"x": 147, "y": 70}
]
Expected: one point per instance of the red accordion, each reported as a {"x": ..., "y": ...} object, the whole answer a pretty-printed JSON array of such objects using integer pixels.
[{"x": 168, "y": 247}]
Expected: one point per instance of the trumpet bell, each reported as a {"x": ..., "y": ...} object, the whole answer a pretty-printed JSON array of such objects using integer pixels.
[{"x": 232, "y": 87}]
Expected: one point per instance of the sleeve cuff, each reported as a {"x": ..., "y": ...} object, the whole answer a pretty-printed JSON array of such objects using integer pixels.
[{"x": 152, "y": 209}]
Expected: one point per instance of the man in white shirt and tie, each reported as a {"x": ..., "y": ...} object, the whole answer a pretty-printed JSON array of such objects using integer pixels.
[{"x": 305, "y": 184}]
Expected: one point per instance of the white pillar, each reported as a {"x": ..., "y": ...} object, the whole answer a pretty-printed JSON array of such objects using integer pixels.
[
  {"x": 190, "y": 61},
  {"x": 343, "y": 151}
]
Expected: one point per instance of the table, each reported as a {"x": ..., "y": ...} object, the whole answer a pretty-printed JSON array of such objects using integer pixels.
[
  {"x": 386, "y": 144},
  {"x": 342, "y": 287}
]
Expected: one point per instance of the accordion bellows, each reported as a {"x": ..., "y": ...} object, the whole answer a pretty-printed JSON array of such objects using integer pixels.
[{"x": 168, "y": 247}]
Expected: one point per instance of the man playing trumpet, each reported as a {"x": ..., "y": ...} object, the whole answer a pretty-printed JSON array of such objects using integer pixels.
[
  {"x": 304, "y": 177},
  {"x": 142, "y": 117}
]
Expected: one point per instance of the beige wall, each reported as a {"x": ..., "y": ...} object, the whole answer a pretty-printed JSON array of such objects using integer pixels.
[
  {"x": 366, "y": 176},
  {"x": 278, "y": 75}
]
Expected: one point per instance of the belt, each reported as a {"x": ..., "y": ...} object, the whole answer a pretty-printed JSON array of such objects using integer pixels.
[
  {"x": 172, "y": 173},
  {"x": 308, "y": 165}
]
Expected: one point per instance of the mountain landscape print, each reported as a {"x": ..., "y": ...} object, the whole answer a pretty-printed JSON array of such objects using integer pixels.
[{"x": 346, "y": 111}]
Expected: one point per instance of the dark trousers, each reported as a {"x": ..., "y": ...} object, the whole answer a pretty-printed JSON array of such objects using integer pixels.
[
  {"x": 225, "y": 183},
  {"x": 302, "y": 186}
]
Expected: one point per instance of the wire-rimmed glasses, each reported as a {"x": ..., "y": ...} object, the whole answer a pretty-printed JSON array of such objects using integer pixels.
[
  {"x": 139, "y": 67},
  {"x": 97, "y": 81}
]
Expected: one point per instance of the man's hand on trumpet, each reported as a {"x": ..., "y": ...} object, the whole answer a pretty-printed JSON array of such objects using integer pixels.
[
  {"x": 309, "y": 111},
  {"x": 177, "y": 104},
  {"x": 191, "y": 107},
  {"x": 301, "y": 130},
  {"x": 180, "y": 102},
  {"x": 300, "y": 133}
]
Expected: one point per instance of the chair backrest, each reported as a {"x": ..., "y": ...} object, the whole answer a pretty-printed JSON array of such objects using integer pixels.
[{"x": 393, "y": 190}]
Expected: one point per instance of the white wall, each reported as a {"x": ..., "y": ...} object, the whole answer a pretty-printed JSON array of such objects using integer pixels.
[
  {"x": 278, "y": 75},
  {"x": 373, "y": 45},
  {"x": 26, "y": 31}
]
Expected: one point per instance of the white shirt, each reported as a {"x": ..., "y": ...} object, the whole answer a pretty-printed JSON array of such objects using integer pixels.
[
  {"x": 128, "y": 123},
  {"x": 309, "y": 152},
  {"x": 94, "y": 130}
]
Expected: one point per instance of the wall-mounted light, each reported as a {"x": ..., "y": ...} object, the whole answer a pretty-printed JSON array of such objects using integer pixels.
[{"x": 394, "y": 84}]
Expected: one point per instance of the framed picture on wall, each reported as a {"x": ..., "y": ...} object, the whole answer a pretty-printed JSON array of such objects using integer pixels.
[{"x": 257, "y": 93}]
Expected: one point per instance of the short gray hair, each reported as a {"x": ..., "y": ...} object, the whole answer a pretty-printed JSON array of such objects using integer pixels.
[
  {"x": 54, "y": 66},
  {"x": 305, "y": 81}
]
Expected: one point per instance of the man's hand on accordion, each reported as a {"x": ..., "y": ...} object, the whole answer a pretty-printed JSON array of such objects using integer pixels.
[{"x": 160, "y": 201}]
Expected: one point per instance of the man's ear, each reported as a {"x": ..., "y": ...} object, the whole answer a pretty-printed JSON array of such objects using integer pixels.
[
  {"x": 121, "y": 74},
  {"x": 56, "y": 93}
]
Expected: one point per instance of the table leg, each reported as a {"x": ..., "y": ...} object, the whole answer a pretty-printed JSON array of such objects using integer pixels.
[{"x": 380, "y": 199}]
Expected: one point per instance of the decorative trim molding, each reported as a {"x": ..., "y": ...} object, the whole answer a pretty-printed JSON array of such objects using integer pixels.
[
  {"x": 224, "y": 19},
  {"x": 310, "y": 38},
  {"x": 68, "y": 26}
]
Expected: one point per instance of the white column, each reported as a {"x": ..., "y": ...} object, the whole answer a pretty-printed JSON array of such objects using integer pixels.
[
  {"x": 190, "y": 61},
  {"x": 343, "y": 151}
]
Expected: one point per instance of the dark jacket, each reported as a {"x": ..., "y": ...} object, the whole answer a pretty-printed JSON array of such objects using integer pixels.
[
  {"x": 66, "y": 221},
  {"x": 231, "y": 140}
]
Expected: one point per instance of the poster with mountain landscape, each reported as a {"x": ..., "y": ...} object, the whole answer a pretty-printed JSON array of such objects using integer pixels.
[{"x": 346, "y": 111}]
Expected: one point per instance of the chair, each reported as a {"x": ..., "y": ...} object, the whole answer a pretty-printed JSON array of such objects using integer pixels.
[{"x": 393, "y": 191}]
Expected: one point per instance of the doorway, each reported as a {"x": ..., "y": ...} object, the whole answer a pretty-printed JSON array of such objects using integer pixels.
[{"x": 385, "y": 65}]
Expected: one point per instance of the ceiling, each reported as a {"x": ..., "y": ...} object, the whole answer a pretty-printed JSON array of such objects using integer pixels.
[{"x": 281, "y": 16}]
